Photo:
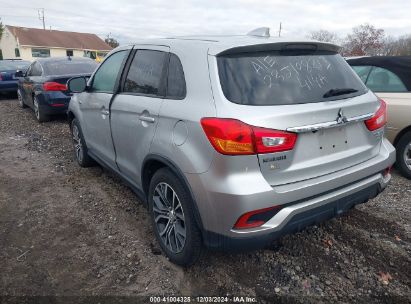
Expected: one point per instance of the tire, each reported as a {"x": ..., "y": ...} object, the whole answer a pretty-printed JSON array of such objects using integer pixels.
[
  {"x": 404, "y": 155},
  {"x": 179, "y": 220},
  {"x": 40, "y": 116},
  {"x": 21, "y": 99},
  {"x": 80, "y": 147}
]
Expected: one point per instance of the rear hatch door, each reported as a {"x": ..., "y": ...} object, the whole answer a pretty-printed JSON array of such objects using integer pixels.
[{"x": 313, "y": 93}]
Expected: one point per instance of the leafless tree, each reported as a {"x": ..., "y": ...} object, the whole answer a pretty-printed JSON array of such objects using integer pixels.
[
  {"x": 364, "y": 40},
  {"x": 324, "y": 35}
]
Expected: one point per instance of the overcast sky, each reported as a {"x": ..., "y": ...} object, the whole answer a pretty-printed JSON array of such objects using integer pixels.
[{"x": 128, "y": 20}]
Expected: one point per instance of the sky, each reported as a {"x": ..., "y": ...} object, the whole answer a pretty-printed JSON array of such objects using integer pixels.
[{"x": 129, "y": 20}]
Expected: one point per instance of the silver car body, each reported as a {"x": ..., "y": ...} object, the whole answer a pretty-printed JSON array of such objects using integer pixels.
[{"x": 126, "y": 132}]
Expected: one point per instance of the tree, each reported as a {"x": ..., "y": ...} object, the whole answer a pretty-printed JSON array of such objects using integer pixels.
[
  {"x": 364, "y": 40},
  {"x": 1, "y": 28},
  {"x": 111, "y": 41},
  {"x": 324, "y": 36}
]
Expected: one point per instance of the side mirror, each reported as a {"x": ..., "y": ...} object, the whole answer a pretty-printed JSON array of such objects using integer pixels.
[
  {"x": 77, "y": 84},
  {"x": 19, "y": 73}
]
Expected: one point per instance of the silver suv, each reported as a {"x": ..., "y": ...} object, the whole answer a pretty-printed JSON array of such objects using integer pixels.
[{"x": 232, "y": 141}]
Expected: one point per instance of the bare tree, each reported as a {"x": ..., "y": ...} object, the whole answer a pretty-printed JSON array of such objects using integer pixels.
[
  {"x": 324, "y": 35},
  {"x": 1, "y": 28},
  {"x": 111, "y": 41},
  {"x": 364, "y": 40}
]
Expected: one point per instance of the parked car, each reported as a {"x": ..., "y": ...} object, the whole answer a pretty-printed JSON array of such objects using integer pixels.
[
  {"x": 232, "y": 141},
  {"x": 43, "y": 86},
  {"x": 8, "y": 69},
  {"x": 389, "y": 77}
]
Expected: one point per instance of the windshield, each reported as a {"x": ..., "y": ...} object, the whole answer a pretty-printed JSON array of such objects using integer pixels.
[
  {"x": 279, "y": 78},
  {"x": 14, "y": 65},
  {"x": 69, "y": 67}
]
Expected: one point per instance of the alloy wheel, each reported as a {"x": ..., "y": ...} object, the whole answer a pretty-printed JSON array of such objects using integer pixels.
[
  {"x": 77, "y": 143},
  {"x": 20, "y": 98},
  {"x": 407, "y": 155},
  {"x": 36, "y": 108},
  {"x": 169, "y": 217}
]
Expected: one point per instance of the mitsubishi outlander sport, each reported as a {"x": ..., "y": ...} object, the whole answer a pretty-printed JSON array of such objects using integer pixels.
[{"x": 232, "y": 141}]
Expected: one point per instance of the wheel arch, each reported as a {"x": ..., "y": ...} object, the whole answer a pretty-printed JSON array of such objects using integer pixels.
[
  {"x": 151, "y": 164},
  {"x": 401, "y": 134}
]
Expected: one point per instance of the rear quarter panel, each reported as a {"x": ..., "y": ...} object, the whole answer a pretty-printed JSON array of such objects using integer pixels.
[{"x": 399, "y": 113}]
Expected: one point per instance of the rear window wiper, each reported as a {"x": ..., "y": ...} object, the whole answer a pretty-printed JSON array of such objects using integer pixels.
[{"x": 336, "y": 92}]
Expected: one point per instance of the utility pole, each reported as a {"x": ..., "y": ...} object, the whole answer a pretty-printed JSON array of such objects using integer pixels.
[
  {"x": 279, "y": 31},
  {"x": 40, "y": 11}
]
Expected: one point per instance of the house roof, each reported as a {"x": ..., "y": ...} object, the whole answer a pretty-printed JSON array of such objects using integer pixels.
[{"x": 62, "y": 39}]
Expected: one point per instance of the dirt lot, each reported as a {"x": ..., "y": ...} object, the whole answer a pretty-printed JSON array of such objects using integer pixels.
[{"x": 65, "y": 230}]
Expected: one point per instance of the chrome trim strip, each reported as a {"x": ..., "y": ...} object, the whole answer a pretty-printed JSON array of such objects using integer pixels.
[{"x": 329, "y": 124}]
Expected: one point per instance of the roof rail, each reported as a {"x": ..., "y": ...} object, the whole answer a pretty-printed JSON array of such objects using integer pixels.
[{"x": 260, "y": 32}]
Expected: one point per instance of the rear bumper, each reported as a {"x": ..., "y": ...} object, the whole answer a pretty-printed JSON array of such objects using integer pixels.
[
  {"x": 8, "y": 86},
  {"x": 222, "y": 199},
  {"x": 300, "y": 215},
  {"x": 53, "y": 103}
]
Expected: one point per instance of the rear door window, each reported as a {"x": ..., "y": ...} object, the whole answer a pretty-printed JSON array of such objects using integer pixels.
[
  {"x": 146, "y": 73},
  {"x": 362, "y": 72},
  {"x": 281, "y": 78},
  {"x": 383, "y": 80}
]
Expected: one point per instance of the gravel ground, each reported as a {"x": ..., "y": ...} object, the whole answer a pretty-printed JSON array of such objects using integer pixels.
[{"x": 66, "y": 230}]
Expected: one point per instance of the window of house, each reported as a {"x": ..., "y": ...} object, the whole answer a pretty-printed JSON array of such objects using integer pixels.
[
  {"x": 17, "y": 52},
  {"x": 145, "y": 74},
  {"x": 40, "y": 52},
  {"x": 69, "y": 53},
  {"x": 383, "y": 80}
]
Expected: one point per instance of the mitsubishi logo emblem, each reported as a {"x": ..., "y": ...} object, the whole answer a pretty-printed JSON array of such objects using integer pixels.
[{"x": 341, "y": 119}]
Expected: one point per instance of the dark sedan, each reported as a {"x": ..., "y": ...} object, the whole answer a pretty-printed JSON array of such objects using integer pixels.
[
  {"x": 8, "y": 69},
  {"x": 43, "y": 86}
]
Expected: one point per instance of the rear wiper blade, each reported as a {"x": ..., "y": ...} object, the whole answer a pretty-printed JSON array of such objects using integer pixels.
[{"x": 336, "y": 92}]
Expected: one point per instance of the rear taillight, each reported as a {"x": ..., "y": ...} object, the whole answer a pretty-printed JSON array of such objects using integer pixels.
[
  {"x": 1, "y": 78},
  {"x": 379, "y": 119},
  {"x": 256, "y": 218},
  {"x": 234, "y": 137},
  {"x": 54, "y": 86}
]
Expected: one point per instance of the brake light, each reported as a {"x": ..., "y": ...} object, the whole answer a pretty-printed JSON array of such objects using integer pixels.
[
  {"x": 54, "y": 86},
  {"x": 234, "y": 137},
  {"x": 379, "y": 119},
  {"x": 1, "y": 78},
  {"x": 256, "y": 218}
]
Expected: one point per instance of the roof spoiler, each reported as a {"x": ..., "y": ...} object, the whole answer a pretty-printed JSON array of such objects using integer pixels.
[{"x": 282, "y": 46}]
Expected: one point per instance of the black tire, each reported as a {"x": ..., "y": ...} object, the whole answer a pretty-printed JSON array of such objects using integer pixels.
[
  {"x": 80, "y": 147},
  {"x": 40, "y": 116},
  {"x": 191, "y": 250},
  {"x": 404, "y": 154},
  {"x": 21, "y": 99}
]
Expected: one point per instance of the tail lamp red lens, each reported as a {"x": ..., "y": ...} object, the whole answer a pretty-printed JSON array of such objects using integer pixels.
[
  {"x": 379, "y": 119},
  {"x": 234, "y": 137},
  {"x": 256, "y": 218},
  {"x": 54, "y": 86}
]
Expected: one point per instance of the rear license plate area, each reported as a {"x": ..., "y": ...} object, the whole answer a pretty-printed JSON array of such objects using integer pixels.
[{"x": 332, "y": 140}]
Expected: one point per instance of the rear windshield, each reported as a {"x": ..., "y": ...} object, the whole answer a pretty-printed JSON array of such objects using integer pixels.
[
  {"x": 14, "y": 65},
  {"x": 278, "y": 78},
  {"x": 69, "y": 67}
]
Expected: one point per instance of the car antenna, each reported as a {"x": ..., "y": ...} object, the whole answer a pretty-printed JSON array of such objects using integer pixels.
[{"x": 260, "y": 32}]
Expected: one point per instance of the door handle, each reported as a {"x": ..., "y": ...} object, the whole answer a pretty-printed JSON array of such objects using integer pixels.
[
  {"x": 147, "y": 119},
  {"x": 105, "y": 112}
]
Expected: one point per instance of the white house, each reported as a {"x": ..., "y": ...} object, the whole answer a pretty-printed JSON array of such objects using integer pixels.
[{"x": 31, "y": 43}]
